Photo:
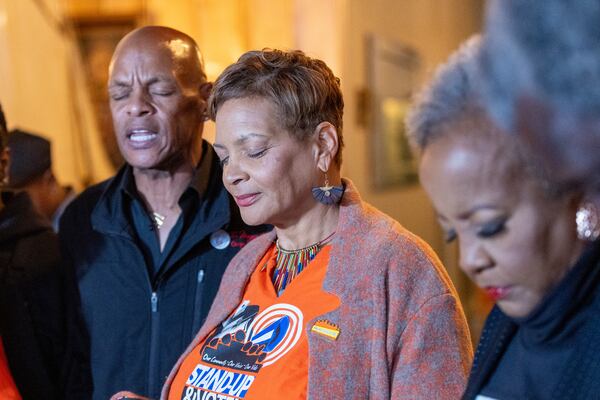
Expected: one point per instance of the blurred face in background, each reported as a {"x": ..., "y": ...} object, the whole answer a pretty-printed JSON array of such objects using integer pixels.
[{"x": 515, "y": 241}]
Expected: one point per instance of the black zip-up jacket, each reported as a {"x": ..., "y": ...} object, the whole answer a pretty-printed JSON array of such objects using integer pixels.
[
  {"x": 135, "y": 327},
  {"x": 31, "y": 308}
]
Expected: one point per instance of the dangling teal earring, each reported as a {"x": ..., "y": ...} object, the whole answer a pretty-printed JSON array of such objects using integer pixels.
[{"x": 327, "y": 194}]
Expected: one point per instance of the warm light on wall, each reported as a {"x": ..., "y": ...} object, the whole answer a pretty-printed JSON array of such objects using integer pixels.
[
  {"x": 213, "y": 69},
  {"x": 3, "y": 19}
]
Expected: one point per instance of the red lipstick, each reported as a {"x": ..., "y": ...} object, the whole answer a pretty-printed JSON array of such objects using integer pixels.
[{"x": 497, "y": 293}]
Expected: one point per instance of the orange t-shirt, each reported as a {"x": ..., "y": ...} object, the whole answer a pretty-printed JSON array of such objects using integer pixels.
[
  {"x": 8, "y": 388},
  {"x": 261, "y": 350}
]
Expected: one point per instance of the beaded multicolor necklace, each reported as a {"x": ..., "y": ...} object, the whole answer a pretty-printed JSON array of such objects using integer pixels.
[{"x": 289, "y": 263}]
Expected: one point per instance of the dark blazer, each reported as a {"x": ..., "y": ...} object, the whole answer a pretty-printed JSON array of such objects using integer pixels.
[
  {"x": 135, "y": 326},
  {"x": 31, "y": 309},
  {"x": 580, "y": 375}
]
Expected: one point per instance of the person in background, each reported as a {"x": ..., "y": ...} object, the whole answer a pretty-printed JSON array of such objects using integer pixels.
[
  {"x": 32, "y": 335},
  {"x": 31, "y": 171},
  {"x": 149, "y": 246},
  {"x": 540, "y": 80},
  {"x": 339, "y": 301},
  {"x": 524, "y": 239}
]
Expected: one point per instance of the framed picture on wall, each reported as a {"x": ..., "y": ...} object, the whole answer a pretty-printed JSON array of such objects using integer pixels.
[{"x": 393, "y": 71}]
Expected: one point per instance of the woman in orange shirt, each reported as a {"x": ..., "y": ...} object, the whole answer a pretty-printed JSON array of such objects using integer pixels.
[{"x": 339, "y": 301}]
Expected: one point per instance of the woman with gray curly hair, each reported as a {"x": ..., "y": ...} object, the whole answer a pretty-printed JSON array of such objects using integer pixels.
[
  {"x": 518, "y": 241},
  {"x": 540, "y": 69}
]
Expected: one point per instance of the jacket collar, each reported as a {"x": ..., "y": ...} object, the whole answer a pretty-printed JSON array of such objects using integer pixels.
[{"x": 110, "y": 213}]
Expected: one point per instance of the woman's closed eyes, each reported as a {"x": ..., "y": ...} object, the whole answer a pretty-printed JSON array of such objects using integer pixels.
[{"x": 492, "y": 228}]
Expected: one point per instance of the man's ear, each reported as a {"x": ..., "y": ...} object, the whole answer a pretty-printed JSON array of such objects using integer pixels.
[
  {"x": 328, "y": 145},
  {"x": 205, "y": 89}
]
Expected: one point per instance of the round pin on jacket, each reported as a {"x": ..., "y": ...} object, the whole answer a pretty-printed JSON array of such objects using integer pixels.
[{"x": 220, "y": 239}]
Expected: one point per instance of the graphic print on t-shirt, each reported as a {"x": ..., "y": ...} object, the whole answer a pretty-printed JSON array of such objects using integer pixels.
[
  {"x": 243, "y": 344},
  {"x": 261, "y": 352}
]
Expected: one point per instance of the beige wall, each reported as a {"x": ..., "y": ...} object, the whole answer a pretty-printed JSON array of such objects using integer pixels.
[
  {"x": 42, "y": 89},
  {"x": 434, "y": 28}
]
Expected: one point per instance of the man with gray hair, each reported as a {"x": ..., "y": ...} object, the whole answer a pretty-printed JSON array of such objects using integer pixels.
[
  {"x": 149, "y": 246},
  {"x": 541, "y": 79}
]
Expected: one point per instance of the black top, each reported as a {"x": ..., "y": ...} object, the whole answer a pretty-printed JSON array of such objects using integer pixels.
[
  {"x": 537, "y": 356},
  {"x": 31, "y": 299}
]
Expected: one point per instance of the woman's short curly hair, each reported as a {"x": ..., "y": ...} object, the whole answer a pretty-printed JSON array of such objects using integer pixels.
[{"x": 304, "y": 90}]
